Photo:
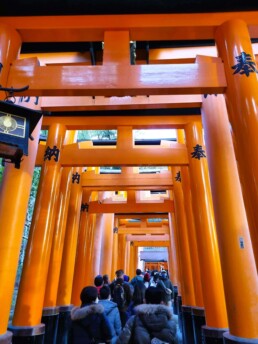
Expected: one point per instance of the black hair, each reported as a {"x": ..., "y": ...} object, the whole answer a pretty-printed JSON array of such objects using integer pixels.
[
  {"x": 153, "y": 272},
  {"x": 163, "y": 275},
  {"x": 98, "y": 281},
  {"x": 88, "y": 295},
  {"x": 104, "y": 292},
  {"x": 156, "y": 276},
  {"x": 105, "y": 279},
  {"x": 119, "y": 281},
  {"x": 155, "y": 295},
  {"x": 138, "y": 272},
  {"x": 139, "y": 293},
  {"x": 119, "y": 273}
]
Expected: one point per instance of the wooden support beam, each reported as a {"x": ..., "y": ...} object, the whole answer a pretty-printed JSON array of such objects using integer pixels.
[
  {"x": 191, "y": 26},
  {"x": 118, "y": 80},
  {"x": 125, "y": 103},
  {"x": 132, "y": 207},
  {"x": 142, "y": 223},
  {"x": 143, "y": 230},
  {"x": 147, "y": 237},
  {"x": 112, "y": 122},
  {"x": 158, "y": 181},
  {"x": 72, "y": 155},
  {"x": 142, "y": 216},
  {"x": 151, "y": 243}
]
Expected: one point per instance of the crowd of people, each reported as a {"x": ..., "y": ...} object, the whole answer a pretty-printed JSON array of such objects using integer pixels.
[{"x": 123, "y": 311}]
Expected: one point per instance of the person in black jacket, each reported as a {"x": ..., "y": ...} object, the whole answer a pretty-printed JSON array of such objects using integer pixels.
[{"x": 89, "y": 324}]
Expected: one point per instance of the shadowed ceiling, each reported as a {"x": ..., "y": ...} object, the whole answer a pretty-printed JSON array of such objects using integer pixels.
[{"x": 74, "y": 7}]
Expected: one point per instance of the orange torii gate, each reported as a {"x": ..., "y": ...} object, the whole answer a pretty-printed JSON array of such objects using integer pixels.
[{"x": 236, "y": 77}]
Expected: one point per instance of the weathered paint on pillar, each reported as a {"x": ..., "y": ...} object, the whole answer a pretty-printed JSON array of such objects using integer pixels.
[
  {"x": 107, "y": 244},
  {"x": 70, "y": 243},
  {"x": 10, "y": 45},
  {"x": 212, "y": 285},
  {"x": 235, "y": 49},
  {"x": 238, "y": 263},
  {"x": 30, "y": 298},
  {"x": 192, "y": 235},
  {"x": 81, "y": 263},
  {"x": 187, "y": 286},
  {"x": 59, "y": 231}
]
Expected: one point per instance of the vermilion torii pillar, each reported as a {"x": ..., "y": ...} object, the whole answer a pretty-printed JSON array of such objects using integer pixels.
[
  {"x": 211, "y": 276},
  {"x": 50, "y": 312},
  {"x": 188, "y": 296},
  {"x": 176, "y": 272},
  {"x": 70, "y": 243},
  {"x": 115, "y": 249},
  {"x": 15, "y": 182},
  {"x": 107, "y": 244},
  {"x": 187, "y": 287},
  {"x": 91, "y": 242},
  {"x": 29, "y": 305},
  {"x": 192, "y": 236},
  {"x": 65, "y": 285},
  {"x": 235, "y": 49},
  {"x": 82, "y": 267},
  {"x": 238, "y": 263}
]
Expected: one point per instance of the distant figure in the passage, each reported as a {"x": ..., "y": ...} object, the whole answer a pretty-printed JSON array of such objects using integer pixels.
[
  {"x": 153, "y": 322},
  {"x": 111, "y": 312},
  {"x": 146, "y": 280},
  {"x": 137, "y": 278},
  {"x": 138, "y": 298},
  {"x": 89, "y": 322},
  {"x": 168, "y": 286},
  {"x": 106, "y": 280},
  {"x": 98, "y": 282}
]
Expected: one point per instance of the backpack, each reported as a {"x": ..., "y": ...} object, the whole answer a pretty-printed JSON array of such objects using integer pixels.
[{"x": 119, "y": 296}]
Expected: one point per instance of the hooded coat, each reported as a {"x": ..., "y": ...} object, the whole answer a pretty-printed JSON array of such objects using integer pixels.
[
  {"x": 89, "y": 322},
  {"x": 112, "y": 313},
  {"x": 151, "y": 321}
]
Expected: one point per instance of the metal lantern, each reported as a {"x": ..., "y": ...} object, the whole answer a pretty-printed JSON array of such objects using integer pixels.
[{"x": 16, "y": 125}]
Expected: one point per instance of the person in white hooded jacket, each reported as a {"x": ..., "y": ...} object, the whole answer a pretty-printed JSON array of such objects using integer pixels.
[
  {"x": 89, "y": 324},
  {"x": 153, "y": 322}
]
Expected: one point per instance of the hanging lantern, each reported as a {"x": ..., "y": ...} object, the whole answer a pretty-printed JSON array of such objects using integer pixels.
[{"x": 16, "y": 125}]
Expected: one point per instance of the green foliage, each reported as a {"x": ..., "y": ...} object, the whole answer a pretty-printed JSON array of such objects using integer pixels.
[
  {"x": 1, "y": 170},
  {"x": 97, "y": 135},
  {"x": 44, "y": 133}
]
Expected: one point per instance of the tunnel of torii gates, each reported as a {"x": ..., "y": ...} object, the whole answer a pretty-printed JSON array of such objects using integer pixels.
[{"x": 81, "y": 226}]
